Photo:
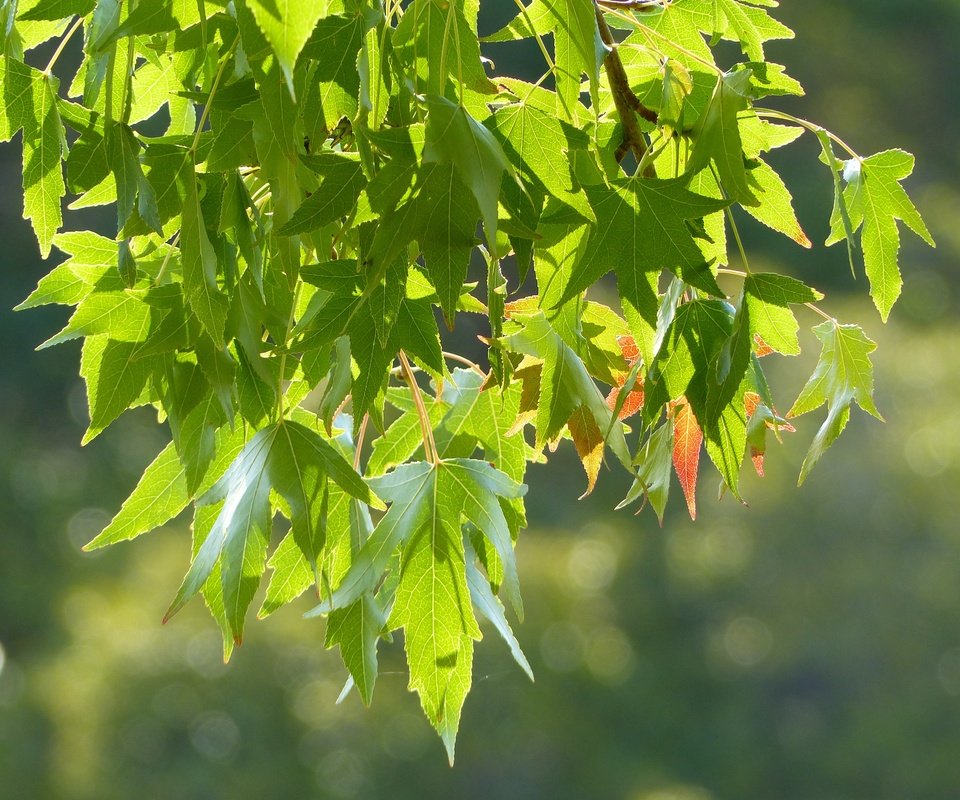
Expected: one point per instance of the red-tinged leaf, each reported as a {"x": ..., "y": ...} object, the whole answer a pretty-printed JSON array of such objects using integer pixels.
[
  {"x": 762, "y": 348},
  {"x": 760, "y": 418},
  {"x": 687, "y": 441},
  {"x": 588, "y": 439},
  {"x": 631, "y": 404},
  {"x": 628, "y": 346},
  {"x": 634, "y": 400}
]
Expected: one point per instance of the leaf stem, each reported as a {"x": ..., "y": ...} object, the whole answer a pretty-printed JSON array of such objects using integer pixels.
[
  {"x": 126, "y": 94},
  {"x": 166, "y": 259},
  {"x": 213, "y": 93},
  {"x": 812, "y": 306},
  {"x": 283, "y": 351},
  {"x": 651, "y": 33},
  {"x": 62, "y": 46},
  {"x": 462, "y": 360},
  {"x": 540, "y": 43},
  {"x": 426, "y": 429},
  {"x": 736, "y": 236},
  {"x": 769, "y": 113},
  {"x": 360, "y": 437}
]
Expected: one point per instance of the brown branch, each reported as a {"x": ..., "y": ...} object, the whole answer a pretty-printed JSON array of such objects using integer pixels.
[{"x": 627, "y": 103}]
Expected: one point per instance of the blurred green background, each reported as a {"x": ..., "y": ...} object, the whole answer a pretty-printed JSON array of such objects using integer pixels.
[{"x": 806, "y": 648}]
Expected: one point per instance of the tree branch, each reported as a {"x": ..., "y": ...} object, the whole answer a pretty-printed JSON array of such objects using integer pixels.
[{"x": 627, "y": 103}]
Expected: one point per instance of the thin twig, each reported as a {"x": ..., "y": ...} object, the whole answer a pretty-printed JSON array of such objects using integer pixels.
[{"x": 213, "y": 93}]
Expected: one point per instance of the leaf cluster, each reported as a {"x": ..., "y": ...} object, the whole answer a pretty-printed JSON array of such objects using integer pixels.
[{"x": 305, "y": 193}]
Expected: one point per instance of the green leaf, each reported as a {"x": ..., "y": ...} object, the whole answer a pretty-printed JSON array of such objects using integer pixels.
[
  {"x": 434, "y": 609},
  {"x": 490, "y": 607},
  {"x": 775, "y": 209},
  {"x": 844, "y": 375},
  {"x": 565, "y": 385},
  {"x": 58, "y": 9},
  {"x": 200, "y": 266},
  {"x": 115, "y": 379},
  {"x": 287, "y": 25},
  {"x": 537, "y": 143},
  {"x": 876, "y": 200},
  {"x": 455, "y": 137},
  {"x": 768, "y": 297},
  {"x": 641, "y": 229},
  {"x": 441, "y": 43},
  {"x": 717, "y": 138},
  {"x": 43, "y": 147},
  {"x": 356, "y": 629},
  {"x": 654, "y": 461},
  {"x": 337, "y": 194},
  {"x": 688, "y": 354},
  {"x": 238, "y": 537},
  {"x": 160, "y": 495}
]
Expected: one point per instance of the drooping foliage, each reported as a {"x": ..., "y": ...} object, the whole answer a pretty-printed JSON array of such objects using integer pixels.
[{"x": 310, "y": 194}]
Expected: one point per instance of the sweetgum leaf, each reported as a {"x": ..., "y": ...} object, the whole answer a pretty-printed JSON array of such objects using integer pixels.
[
  {"x": 160, "y": 495},
  {"x": 844, "y": 375},
  {"x": 875, "y": 200},
  {"x": 287, "y": 25},
  {"x": 641, "y": 230}
]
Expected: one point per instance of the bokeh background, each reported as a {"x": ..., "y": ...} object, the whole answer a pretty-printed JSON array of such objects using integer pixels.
[{"x": 805, "y": 648}]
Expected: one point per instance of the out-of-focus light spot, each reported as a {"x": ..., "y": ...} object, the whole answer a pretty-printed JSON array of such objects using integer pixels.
[
  {"x": 204, "y": 654},
  {"x": 405, "y": 736},
  {"x": 176, "y": 702},
  {"x": 747, "y": 641},
  {"x": 674, "y": 793},
  {"x": 592, "y": 565},
  {"x": 948, "y": 671},
  {"x": 701, "y": 554},
  {"x": 315, "y": 703},
  {"x": 928, "y": 452},
  {"x": 214, "y": 735},
  {"x": 80, "y": 608},
  {"x": 3, "y": 658},
  {"x": 610, "y": 656},
  {"x": 562, "y": 646},
  {"x": 86, "y": 524},
  {"x": 341, "y": 774}
]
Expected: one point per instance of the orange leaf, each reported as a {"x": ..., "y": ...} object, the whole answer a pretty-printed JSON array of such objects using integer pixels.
[
  {"x": 633, "y": 402},
  {"x": 628, "y": 346},
  {"x": 762, "y": 348},
  {"x": 588, "y": 439},
  {"x": 687, "y": 440}
]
